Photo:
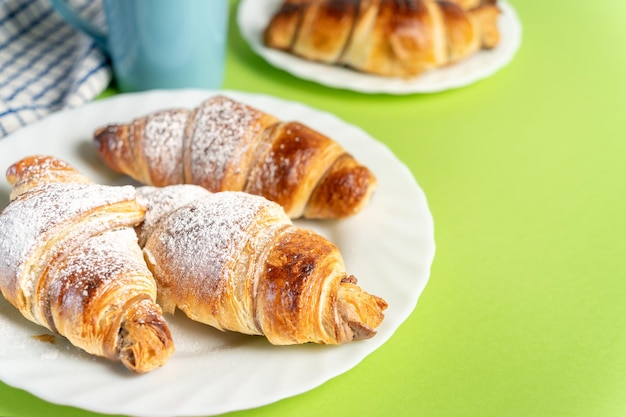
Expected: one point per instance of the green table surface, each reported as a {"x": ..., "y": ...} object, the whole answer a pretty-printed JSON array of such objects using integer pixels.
[{"x": 525, "y": 313}]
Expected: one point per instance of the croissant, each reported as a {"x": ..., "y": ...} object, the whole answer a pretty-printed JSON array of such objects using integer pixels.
[
  {"x": 472, "y": 4},
  {"x": 395, "y": 38},
  {"x": 71, "y": 263},
  {"x": 235, "y": 261},
  {"x": 225, "y": 145}
]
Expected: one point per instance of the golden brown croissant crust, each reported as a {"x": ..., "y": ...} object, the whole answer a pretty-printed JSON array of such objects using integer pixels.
[
  {"x": 236, "y": 262},
  {"x": 71, "y": 263},
  {"x": 398, "y": 38},
  {"x": 231, "y": 260},
  {"x": 225, "y": 145}
]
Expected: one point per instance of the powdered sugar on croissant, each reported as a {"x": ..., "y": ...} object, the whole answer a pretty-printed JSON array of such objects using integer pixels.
[
  {"x": 71, "y": 263},
  {"x": 226, "y": 145},
  {"x": 236, "y": 262}
]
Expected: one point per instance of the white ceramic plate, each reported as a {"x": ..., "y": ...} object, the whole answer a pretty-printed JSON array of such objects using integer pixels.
[
  {"x": 389, "y": 246},
  {"x": 254, "y": 15}
]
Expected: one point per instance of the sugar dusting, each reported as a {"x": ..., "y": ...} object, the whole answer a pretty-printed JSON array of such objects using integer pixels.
[
  {"x": 223, "y": 131},
  {"x": 163, "y": 145},
  {"x": 107, "y": 262},
  {"x": 202, "y": 240},
  {"x": 41, "y": 166},
  {"x": 204, "y": 235},
  {"x": 32, "y": 219},
  {"x": 162, "y": 201}
]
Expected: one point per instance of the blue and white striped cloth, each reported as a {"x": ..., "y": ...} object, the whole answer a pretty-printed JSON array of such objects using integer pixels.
[{"x": 45, "y": 64}]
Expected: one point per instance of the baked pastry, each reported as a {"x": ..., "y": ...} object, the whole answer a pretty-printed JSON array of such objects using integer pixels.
[
  {"x": 71, "y": 263},
  {"x": 395, "y": 38},
  {"x": 235, "y": 261},
  {"x": 472, "y": 4},
  {"x": 225, "y": 145}
]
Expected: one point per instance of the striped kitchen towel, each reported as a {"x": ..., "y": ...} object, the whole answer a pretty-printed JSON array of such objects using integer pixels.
[{"x": 45, "y": 64}]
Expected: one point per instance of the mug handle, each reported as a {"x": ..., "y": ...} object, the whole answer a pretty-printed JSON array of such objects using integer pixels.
[{"x": 79, "y": 23}]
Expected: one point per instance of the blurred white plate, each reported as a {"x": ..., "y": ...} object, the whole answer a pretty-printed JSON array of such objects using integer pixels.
[
  {"x": 389, "y": 247},
  {"x": 253, "y": 17}
]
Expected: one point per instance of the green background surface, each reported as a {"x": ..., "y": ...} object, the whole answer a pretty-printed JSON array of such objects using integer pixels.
[{"x": 524, "y": 313}]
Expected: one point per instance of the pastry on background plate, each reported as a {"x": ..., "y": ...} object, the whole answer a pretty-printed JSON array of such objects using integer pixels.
[{"x": 394, "y": 38}]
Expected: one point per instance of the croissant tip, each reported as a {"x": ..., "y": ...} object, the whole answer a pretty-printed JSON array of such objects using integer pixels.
[
  {"x": 99, "y": 131},
  {"x": 145, "y": 340},
  {"x": 360, "y": 311},
  {"x": 106, "y": 142},
  {"x": 102, "y": 134},
  {"x": 33, "y": 165}
]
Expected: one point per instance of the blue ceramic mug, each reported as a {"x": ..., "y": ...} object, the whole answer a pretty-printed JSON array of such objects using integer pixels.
[{"x": 160, "y": 43}]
